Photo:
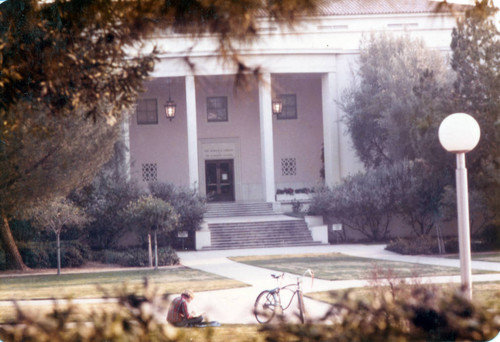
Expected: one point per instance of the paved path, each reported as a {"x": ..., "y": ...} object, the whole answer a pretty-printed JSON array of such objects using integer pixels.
[{"x": 235, "y": 306}]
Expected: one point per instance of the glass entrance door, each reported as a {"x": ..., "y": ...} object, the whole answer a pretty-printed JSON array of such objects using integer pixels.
[{"x": 219, "y": 176}]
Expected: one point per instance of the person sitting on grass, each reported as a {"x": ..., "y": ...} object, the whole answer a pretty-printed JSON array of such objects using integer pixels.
[{"x": 178, "y": 313}]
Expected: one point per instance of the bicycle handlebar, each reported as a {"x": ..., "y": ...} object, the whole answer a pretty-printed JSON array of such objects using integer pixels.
[
  {"x": 311, "y": 273},
  {"x": 307, "y": 272}
]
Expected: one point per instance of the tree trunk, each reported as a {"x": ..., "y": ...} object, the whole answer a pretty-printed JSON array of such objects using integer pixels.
[
  {"x": 58, "y": 254},
  {"x": 12, "y": 255},
  {"x": 150, "y": 252},
  {"x": 156, "y": 252}
]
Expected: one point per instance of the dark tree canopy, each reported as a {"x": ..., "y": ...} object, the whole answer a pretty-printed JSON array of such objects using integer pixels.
[
  {"x": 397, "y": 99},
  {"x": 476, "y": 60},
  {"x": 66, "y": 77}
]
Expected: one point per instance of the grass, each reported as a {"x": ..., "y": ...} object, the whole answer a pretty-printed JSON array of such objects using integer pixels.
[
  {"x": 486, "y": 294},
  {"x": 335, "y": 266},
  {"x": 88, "y": 285},
  {"x": 482, "y": 256},
  {"x": 490, "y": 256}
]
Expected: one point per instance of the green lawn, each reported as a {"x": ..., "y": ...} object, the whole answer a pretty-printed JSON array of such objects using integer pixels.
[
  {"x": 486, "y": 294},
  {"x": 482, "y": 256},
  {"x": 85, "y": 285},
  {"x": 336, "y": 266},
  {"x": 491, "y": 256}
]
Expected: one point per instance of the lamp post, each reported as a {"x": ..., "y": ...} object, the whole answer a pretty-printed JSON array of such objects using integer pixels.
[{"x": 459, "y": 133}]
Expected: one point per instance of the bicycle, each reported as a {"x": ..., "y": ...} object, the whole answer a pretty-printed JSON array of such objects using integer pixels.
[{"x": 268, "y": 302}]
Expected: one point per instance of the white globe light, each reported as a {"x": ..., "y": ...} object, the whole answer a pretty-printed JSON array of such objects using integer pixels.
[{"x": 459, "y": 133}]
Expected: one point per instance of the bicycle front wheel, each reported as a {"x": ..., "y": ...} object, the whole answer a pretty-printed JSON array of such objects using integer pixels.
[{"x": 265, "y": 307}]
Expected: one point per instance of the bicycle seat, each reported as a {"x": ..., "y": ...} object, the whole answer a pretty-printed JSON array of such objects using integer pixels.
[{"x": 276, "y": 276}]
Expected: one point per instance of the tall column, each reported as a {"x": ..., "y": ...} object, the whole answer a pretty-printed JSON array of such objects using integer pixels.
[
  {"x": 266, "y": 137},
  {"x": 330, "y": 129},
  {"x": 192, "y": 133},
  {"x": 126, "y": 141}
]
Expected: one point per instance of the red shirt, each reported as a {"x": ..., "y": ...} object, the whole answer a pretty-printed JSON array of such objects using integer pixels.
[{"x": 178, "y": 311}]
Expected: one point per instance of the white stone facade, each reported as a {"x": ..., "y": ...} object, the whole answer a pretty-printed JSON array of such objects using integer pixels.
[{"x": 315, "y": 61}]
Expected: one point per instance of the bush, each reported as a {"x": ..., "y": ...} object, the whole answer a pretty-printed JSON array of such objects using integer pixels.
[
  {"x": 138, "y": 257},
  {"x": 187, "y": 203},
  {"x": 414, "y": 246},
  {"x": 423, "y": 315},
  {"x": 491, "y": 236},
  {"x": 363, "y": 202},
  {"x": 429, "y": 245},
  {"x": 44, "y": 254},
  {"x": 102, "y": 200}
]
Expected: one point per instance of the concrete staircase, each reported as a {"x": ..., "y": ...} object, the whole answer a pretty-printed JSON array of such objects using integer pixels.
[
  {"x": 253, "y": 225},
  {"x": 237, "y": 209}
]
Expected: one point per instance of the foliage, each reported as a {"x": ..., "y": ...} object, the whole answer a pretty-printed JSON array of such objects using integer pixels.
[
  {"x": 55, "y": 216},
  {"x": 475, "y": 59},
  {"x": 397, "y": 102},
  {"x": 429, "y": 244},
  {"x": 62, "y": 62},
  {"x": 38, "y": 165},
  {"x": 363, "y": 202},
  {"x": 424, "y": 315},
  {"x": 188, "y": 204},
  {"x": 151, "y": 214},
  {"x": 417, "y": 190},
  {"x": 479, "y": 212},
  {"x": 44, "y": 254},
  {"x": 131, "y": 320},
  {"x": 491, "y": 235},
  {"x": 102, "y": 200},
  {"x": 138, "y": 257},
  {"x": 414, "y": 246}
]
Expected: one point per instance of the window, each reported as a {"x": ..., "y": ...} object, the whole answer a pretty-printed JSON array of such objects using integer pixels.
[
  {"x": 217, "y": 108},
  {"x": 289, "y": 107},
  {"x": 149, "y": 172},
  {"x": 147, "y": 112}
]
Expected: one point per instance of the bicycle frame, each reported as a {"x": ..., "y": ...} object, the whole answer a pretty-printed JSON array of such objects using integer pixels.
[
  {"x": 269, "y": 302},
  {"x": 289, "y": 287}
]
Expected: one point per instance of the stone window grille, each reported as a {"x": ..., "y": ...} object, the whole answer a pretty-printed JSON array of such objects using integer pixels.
[
  {"x": 288, "y": 167},
  {"x": 149, "y": 172}
]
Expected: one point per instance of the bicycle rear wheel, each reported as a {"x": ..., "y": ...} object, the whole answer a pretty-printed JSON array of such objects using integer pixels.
[
  {"x": 265, "y": 307},
  {"x": 302, "y": 308}
]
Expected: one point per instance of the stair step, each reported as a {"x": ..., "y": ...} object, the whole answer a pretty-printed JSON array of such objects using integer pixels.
[
  {"x": 234, "y": 209},
  {"x": 260, "y": 234}
]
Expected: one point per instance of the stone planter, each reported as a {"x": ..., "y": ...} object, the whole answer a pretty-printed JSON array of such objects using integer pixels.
[{"x": 295, "y": 197}]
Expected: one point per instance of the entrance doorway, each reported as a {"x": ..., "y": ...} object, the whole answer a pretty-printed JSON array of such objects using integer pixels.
[{"x": 219, "y": 176}]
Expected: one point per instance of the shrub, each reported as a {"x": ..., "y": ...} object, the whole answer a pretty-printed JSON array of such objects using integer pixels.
[
  {"x": 36, "y": 254},
  {"x": 423, "y": 315},
  {"x": 131, "y": 319},
  {"x": 188, "y": 204},
  {"x": 138, "y": 257},
  {"x": 102, "y": 200},
  {"x": 363, "y": 202},
  {"x": 429, "y": 245},
  {"x": 491, "y": 235},
  {"x": 44, "y": 254},
  {"x": 414, "y": 246}
]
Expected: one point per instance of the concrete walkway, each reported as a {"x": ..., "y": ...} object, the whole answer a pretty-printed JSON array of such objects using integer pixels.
[{"x": 235, "y": 306}]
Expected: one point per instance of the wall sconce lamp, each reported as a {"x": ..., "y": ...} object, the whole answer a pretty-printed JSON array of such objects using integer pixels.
[
  {"x": 170, "y": 105},
  {"x": 277, "y": 106}
]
